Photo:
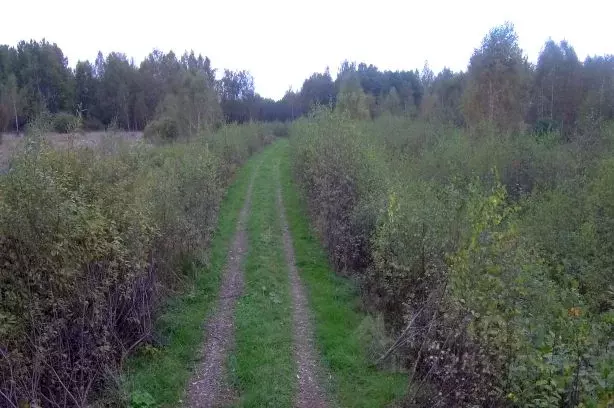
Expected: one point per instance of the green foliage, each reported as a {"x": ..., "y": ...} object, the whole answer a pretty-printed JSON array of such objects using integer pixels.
[
  {"x": 90, "y": 243},
  {"x": 141, "y": 399},
  {"x": 557, "y": 92},
  {"x": 318, "y": 89},
  {"x": 443, "y": 100},
  {"x": 343, "y": 330},
  {"x": 235, "y": 143},
  {"x": 280, "y": 129},
  {"x": 499, "y": 87},
  {"x": 352, "y": 101},
  {"x": 66, "y": 123},
  {"x": 163, "y": 371},
  {"x": 498, "y": 81},
  {"x": 392, "y": 102},
  {"x": 163, "y": 129},
  {"x": 491, "y": 261}
]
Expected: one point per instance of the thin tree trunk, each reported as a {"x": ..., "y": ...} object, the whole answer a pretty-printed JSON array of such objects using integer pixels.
[
  {"x": 16, "y": 119},
  {"x": 601, "y": 95},
  {"x": 552, "y": 100},
  {"x": 492, "y": 102}
]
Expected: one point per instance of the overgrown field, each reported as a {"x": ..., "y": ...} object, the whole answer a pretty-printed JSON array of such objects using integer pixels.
[
  {"x": 10, "y": 142},
  {"x": 490, "y": 257},
  {"x": 92, "y": 239}
]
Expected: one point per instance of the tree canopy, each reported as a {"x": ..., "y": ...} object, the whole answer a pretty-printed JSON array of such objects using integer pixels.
[{"x": 499, "y": 87}]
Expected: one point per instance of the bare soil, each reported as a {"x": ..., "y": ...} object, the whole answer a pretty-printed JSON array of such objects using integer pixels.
[
  {"x": 207, "y": 387},
  {"x": 310, "y": 392}
]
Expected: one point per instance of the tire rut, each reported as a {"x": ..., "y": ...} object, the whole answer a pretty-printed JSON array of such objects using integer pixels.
[
  {"x": 310, "y": 392},
  {"x": 207, "y": 387}
]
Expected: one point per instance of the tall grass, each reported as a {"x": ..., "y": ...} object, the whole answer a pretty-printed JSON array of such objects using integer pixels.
[
  {"x": 488, "y": 255},
  {"x": 91, "y": 240}
]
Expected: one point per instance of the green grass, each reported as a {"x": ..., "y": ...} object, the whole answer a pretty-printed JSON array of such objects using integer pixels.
[
  {"x": 164, "y": 372},
  {"x": 355, "y": 381},
  {"x": 262, "y": 364},
  {"x": 262, "y": 367}
]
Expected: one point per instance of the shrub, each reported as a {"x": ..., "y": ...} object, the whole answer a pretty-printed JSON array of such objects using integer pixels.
[
  {"x": 65, "y": 123},
  {"x": 280, "y": 129},
  {"x": 90, "y": 242},
  {"x": 141, "y": 399},
  {"x": 163, "y": 129},
  {"x": 92, "y": 123},
  {"x": 488, "y": 258},
  {"x": 235, "y": 143}
]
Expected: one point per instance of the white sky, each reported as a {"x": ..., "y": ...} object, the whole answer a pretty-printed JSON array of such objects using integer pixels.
[{"x": 282, "y": 42}]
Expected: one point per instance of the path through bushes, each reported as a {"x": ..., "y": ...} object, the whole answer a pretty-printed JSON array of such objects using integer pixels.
[{"x": 278, "y": 357}]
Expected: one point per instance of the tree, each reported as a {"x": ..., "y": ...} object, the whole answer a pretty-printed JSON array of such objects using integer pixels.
[
  {"x": 557, "y": 89},
  {"x": 498, "y": 79},
  {"x": 140, "y": 113},
  {"x": 42, "y": 72},
  {"x": 86, "y": 88},
  {"x": 199, "y": 102},
  {"x": 598, "y": 84},
  {"x": 14, "y": 98},
  {"x": 237, "y": 95},
  {"x": 392, "y": 102},
  {"x": 408, "y": 86},
  {"x": 318, "y": 89},
  {"x": 118, "y": 75},
  {"x": 427, "y": 77},
  {"x": 371, "y": 79},
  {"x": 443, "y": 102},
  {"x": 375, "y": 84},
  {"x": 11, "y": 104},
  {"x": 292, "y": 102},
  {"x": 352, "y": 100}
]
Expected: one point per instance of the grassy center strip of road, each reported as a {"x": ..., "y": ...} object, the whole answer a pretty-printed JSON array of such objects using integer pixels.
[
  {"x": 163, "y": 372},
  {"x": 262, "y": 363},
  {"x": 355, "y": 381}
]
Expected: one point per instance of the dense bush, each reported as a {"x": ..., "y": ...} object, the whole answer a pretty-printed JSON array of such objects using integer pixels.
[
  {"x": 90, "y": 241},
  {"x": 489, "y": 257},
  {"x": 65, "y": 123},
  {"x": 164, "y": 129},
  {"x": 92, "y": 124},
  {"x": 235, "y": 143},
  {"x": 280, "y": 129}
]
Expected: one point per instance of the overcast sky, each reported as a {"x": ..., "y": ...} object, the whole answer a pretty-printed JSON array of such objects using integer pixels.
[{"x": 282, "y": 42}]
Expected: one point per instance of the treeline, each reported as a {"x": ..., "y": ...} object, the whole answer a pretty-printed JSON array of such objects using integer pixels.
[
  {"x": 500, "y": 87},
  {"x": 35, "y": 77},
  {"x": 394, "y": 91}
]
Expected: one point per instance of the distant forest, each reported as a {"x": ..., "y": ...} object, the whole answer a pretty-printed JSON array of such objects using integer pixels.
[{"x": 500, "y": 87}]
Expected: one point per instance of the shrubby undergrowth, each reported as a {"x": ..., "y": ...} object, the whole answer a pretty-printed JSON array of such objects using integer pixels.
[
  {"x": 91, "y": 240},
  {"x": 489, "y": 256}
]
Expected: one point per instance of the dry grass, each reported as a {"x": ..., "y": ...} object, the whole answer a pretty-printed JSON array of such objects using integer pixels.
[{"x": 11, "y": 141}]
